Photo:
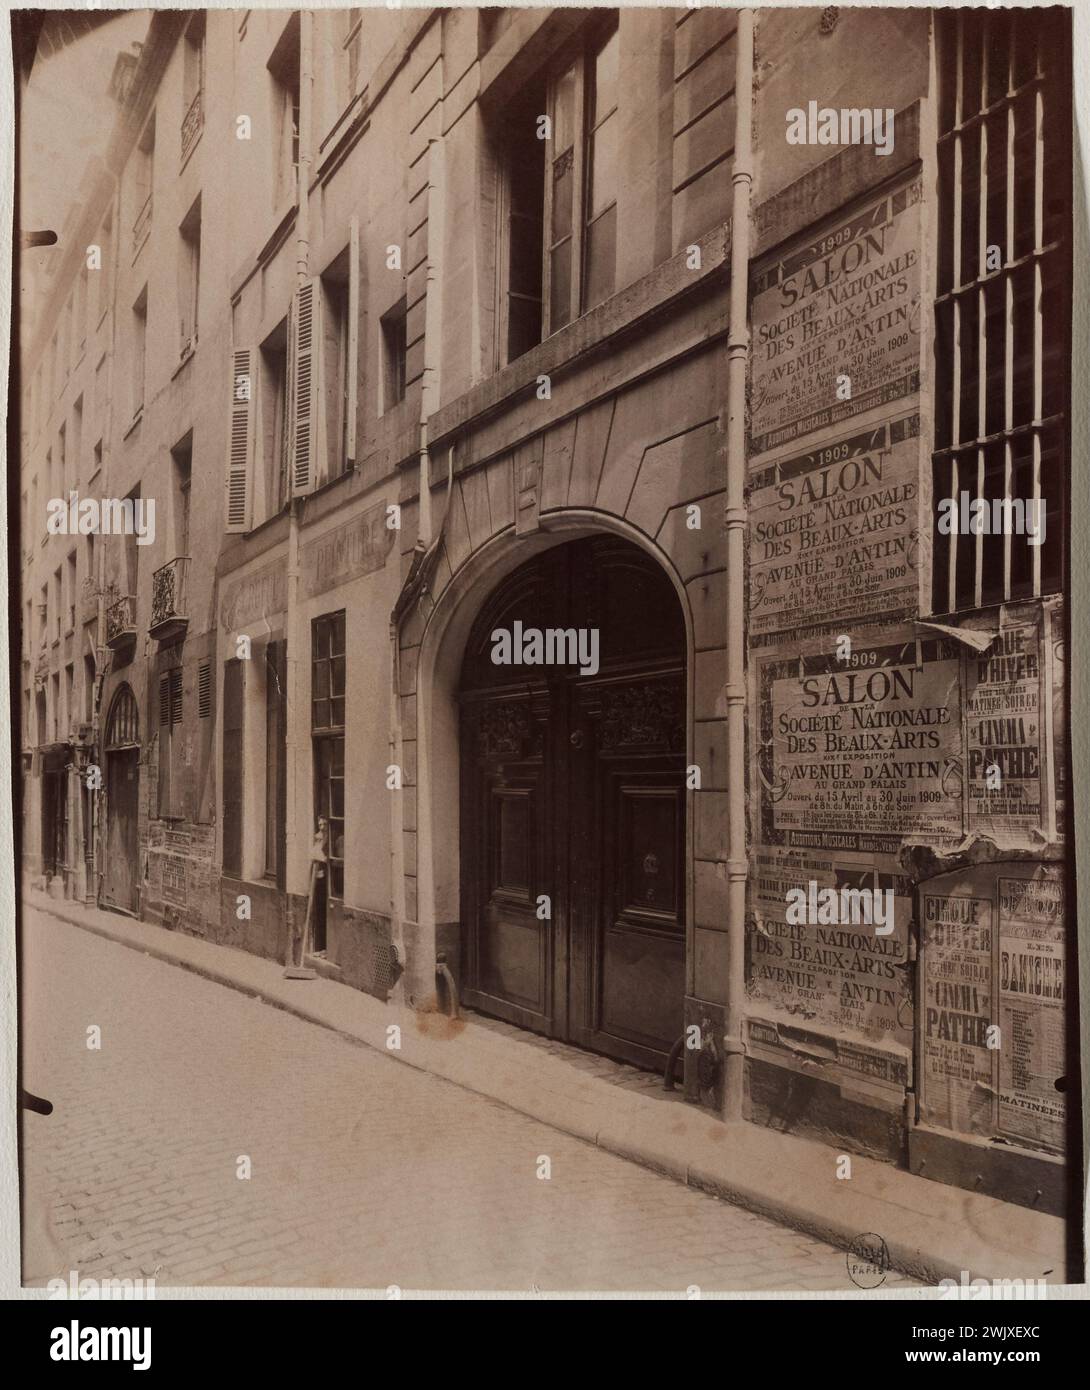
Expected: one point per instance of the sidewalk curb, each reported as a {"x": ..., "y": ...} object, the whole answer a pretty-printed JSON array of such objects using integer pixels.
[{"x": 931, "y": 1231}]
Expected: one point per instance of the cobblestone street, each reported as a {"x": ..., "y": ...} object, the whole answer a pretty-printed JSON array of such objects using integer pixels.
[{"x": 365, "y": 1173}]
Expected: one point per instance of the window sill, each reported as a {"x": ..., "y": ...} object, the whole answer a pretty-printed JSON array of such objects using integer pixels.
[
  {"x": 135, "y": 421},
  {"x": 594, "y": 333}
]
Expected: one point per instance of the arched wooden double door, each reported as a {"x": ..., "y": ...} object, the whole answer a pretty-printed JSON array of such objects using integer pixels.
[{"x": 573, "y": 802}]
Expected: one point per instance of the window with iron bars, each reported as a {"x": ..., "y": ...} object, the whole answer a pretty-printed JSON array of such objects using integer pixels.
[{"x": 1002, "y": 308}]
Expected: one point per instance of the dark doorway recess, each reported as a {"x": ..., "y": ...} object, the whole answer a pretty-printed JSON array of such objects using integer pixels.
[{"x": 573, "y": 789}]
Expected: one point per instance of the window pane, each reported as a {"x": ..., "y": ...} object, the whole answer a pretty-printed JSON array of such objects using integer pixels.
[
  {"x": 601, "y": 257},
  {"x": 525, "y": 253},
  {"x": 965, "y": 545},
  {"x": 336, "y": 713},
  {"x": 999, "y": 57},
  {"x": 603, "y": 164},
  {"x": 1024, "y": 316},
  {"x": 1022, "y": 470},
  {"x": 336, "y": 676},
  {"x": 970, "y": 206},
  {"x": 605, "y": 78},
  {"x": 994, "y": 541},
  {"x": 1025, "y": 155},
  {"x": 995, "y": 322},
  {"x": 320, "y": 711},
  {"x": 321, "y": 680},
  {"x": 969, "y": 341},
  {"x": 523, "y": 326},
  {"x": 564, "y": 112},
  {"x": 562, "y": 198},
  {"x": 560, "y": 293},
  {"x": 337, "y": 638}
]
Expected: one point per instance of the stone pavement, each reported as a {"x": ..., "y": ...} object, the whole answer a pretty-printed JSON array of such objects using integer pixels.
[{"x": 364, "y": 1173}]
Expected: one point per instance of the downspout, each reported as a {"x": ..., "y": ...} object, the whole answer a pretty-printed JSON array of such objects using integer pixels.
[
  {"x": 429, "y": 389},
  {"x": 735, "y": 518},
  {"x": 295, "y": 797}
]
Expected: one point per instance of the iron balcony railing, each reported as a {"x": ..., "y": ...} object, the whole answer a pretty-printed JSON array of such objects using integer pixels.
[
  {"x": 192, "y": 124},
  {"x": 169, "y": 615},
  {"x": 121, "y": 621}
]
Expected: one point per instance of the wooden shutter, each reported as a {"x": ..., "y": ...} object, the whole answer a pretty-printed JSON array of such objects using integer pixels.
[
  {"x": 240, "y": 444},
  {"x": 305, "y": 442},
  {"x": 165, "y": 744},
  {"x": 232, "y": 769}
]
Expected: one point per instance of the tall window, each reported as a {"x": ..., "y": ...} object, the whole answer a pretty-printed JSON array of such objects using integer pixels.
[
  {"x": 139, "y": 349},
  {"x": 182, "y": 461},
  {"x": 561, "y": 192},
  {"x": 102, "y": 274},
  {"x": 232, "y": 767},
  {"x": 273, "y": 401},
  {"x": 338, "y": 366},
  {"x": 284, "y": 72},
  {"x": 189, "y": 278},
  {"x": 395, "y": 355},
  {"x": 88, "y": 689},
  {"x": 1002, "y": 329},
  {"x": 143, "y": 174},
  {"x": 327, "y": 687},
  {"x": 275, "y": 760},
  {"x": 77, "y": 440},
  {"x": 70, "y": 596},
  {"x": 350, "y": 38},
  {"x": 193, "y": 84}
]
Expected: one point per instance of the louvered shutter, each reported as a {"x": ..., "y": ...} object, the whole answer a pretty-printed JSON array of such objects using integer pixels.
[
  {"x": 240, "y": 444},
  {"x": 306, "y": 453}
]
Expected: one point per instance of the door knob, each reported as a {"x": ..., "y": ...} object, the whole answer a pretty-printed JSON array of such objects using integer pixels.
[{"x": 577, "y": 739}]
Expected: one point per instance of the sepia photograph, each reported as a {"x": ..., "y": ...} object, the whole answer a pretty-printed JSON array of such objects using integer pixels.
[{"x": 539, "y": 558}]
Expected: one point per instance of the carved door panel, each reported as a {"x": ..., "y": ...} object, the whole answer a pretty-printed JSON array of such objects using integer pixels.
[
  {"x": 628, "y": 914},
  {"x": 573, "y": 808},
  {"x": 505, "y": 861}
]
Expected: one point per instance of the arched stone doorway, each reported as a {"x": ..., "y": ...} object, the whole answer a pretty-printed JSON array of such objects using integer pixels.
[
  {"x": 573, "y": 801},
  {"x": 120, "y": 880}
]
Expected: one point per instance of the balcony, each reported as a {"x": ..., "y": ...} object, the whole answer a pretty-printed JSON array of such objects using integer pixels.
[
  {"x": 192, "y": 125},
  {"x": 121, "y": 623},
  {"x": 169, "y": 615}
]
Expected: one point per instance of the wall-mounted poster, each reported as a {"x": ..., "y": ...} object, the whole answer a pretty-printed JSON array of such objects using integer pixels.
[
  {"x": 843, "y": 974},
  {"x": 834, "y": 533},
  {"x": 836, "y": 324},
  {"x": 1004, "y": 735},
  {"x": 991, "y": 1013},
  {"x": 858, "y": 753},
  {"x": 957, "y": 939},
  {"x": 1031, "y": 1009}
]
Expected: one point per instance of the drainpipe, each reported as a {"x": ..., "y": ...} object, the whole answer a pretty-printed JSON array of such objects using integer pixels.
[
  {"x": 295, "y": 786},
  {"x": 735, "y": 516},
  {"x": 429, "y": 389}
]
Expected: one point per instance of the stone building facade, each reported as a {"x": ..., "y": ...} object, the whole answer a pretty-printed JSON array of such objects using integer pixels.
[{"x": 428, "y": 323}]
